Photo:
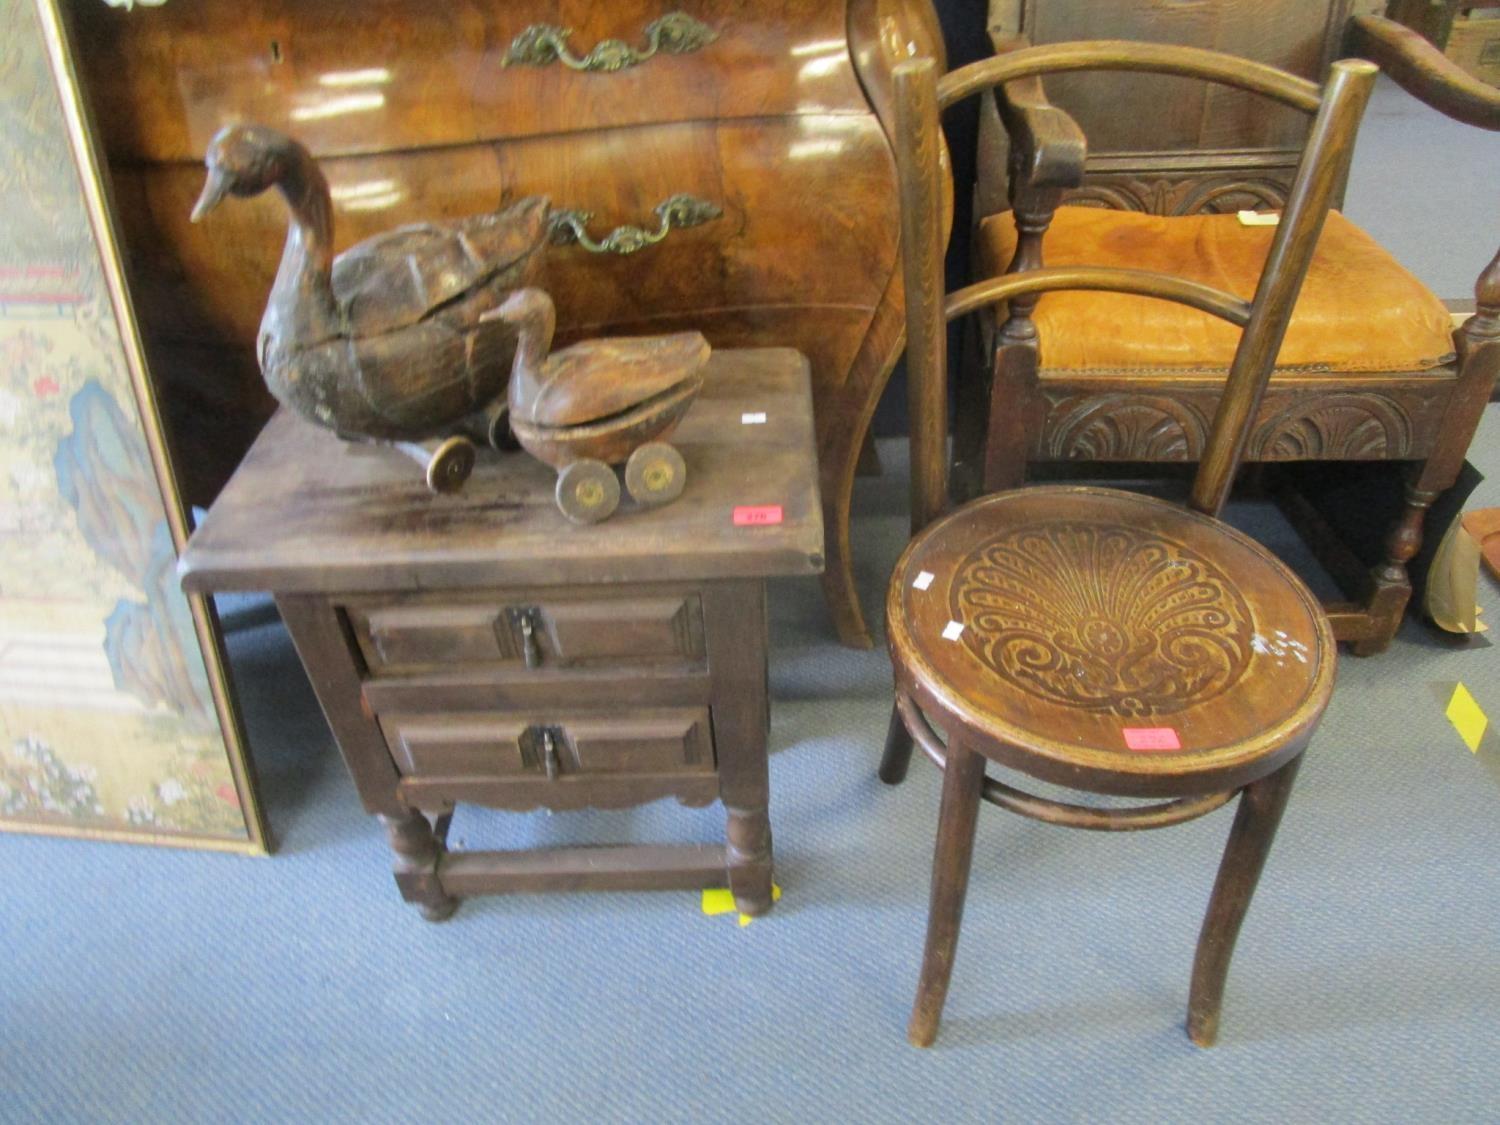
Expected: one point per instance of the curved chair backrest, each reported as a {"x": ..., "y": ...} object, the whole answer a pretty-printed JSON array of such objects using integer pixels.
[{"x": 920, "y": 99}]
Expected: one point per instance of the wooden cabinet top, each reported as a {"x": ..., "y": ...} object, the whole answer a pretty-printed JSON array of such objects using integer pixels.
[{"x": 308, "y": 513}]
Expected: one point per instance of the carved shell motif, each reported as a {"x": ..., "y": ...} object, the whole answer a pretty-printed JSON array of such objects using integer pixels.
[
  {"x": 1102, "y": 617},
  {"x": 1125, "y": 427}
]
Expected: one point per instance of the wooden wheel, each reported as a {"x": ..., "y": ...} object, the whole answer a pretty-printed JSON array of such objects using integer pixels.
[
  {"x": 450, "y": 465},
  {"x": 655, "y": 474},
  {"x": 588, "y": 491}
]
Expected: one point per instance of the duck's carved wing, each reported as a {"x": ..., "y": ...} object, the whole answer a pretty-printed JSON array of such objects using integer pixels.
[
  {"x": 600, "y": 378},
  {"x": 411, "y": 396},
  {"x": 430, "y": 373},
  {"x": 397, "y": 278}
]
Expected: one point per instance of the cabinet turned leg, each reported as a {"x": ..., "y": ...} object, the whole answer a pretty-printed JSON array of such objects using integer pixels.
[
  {"x": 1255, "y": 822},
  {"x": 748, "y": 835},
  {"x": 963, "y": 779},
  {"x": 898, "y": 746},
  {"x": 418, "y": 850}
]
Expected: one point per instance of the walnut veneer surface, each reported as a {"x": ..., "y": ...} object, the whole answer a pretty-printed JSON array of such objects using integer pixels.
[{"x": 772, "y": 117}]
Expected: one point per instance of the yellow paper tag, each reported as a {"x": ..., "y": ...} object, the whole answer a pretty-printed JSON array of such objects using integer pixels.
[
  {"x": 1258, "y": 219},
  {"x": 1467, "y": 718},
  {"x": 720, "y": 900}
]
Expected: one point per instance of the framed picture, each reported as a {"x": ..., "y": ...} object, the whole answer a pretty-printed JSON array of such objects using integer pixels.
[{"x": 116, "y": 718}]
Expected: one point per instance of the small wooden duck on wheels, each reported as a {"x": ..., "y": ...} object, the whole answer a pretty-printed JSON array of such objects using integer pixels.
[
  {"x": 597, "y": 404},
  {"x": 388, "y": 341}
]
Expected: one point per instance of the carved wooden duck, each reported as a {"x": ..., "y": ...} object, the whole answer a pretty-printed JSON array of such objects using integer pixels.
[
  {"x": 387, "y": 341},
  {"x": 599, "y": 403}
]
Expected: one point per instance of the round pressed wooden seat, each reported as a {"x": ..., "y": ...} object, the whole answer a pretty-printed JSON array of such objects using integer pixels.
[{"x": 1109, "y": 642}]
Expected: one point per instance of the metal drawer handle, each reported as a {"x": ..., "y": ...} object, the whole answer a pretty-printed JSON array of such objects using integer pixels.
[
  {"x": 542, "y": 44},
  {"x": 549, "y": 753},
  {"x": 524, "y": 619},
  {"x": 569, "y": 227}
]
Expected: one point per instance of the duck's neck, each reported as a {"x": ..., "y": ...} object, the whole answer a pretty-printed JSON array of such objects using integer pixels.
[
  {"x": 302, "y": 310},
  {"x": 534, "y": 340}
]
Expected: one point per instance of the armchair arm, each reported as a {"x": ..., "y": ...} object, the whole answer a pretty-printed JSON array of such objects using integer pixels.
[
  {"x": 1048, "y": 148},
  {"x": 1423, "y": 71}
]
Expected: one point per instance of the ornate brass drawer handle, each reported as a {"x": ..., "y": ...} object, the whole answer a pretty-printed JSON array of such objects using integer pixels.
[
  {"x": 679, "y": 211},
  {"x": 541, "y": 44}
]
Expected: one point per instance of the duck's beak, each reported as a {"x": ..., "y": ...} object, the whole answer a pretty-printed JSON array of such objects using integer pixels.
[{"x": 214, "y": 190}]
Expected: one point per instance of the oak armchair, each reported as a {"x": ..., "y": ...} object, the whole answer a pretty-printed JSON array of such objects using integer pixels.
[{"x": 1371, "y": 370}]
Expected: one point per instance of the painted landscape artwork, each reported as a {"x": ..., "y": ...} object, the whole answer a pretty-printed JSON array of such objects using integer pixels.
[{"x": 107, "y": 721}]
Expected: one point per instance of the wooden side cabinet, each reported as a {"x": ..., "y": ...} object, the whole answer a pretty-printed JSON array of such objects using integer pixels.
[{"x": 479, "y": 648}]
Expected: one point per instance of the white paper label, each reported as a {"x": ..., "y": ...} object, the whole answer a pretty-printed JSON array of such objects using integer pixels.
[
  {"x": 757, "y": 418},
  {"x": 953, "y": 631},
  {"x": 1258, "y": 219},
  {"x": 923, "y": 580}
]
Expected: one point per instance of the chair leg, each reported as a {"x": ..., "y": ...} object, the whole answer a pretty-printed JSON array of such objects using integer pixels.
[
  {"x": 963, "y": 779},
  {"x": 1392, "y": 586},
  {"x": 1261, "y": 805},
  {"x": 898, "y": 746}
]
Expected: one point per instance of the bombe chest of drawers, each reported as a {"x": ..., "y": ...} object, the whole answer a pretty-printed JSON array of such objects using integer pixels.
[{"x": 479, "y": 648}]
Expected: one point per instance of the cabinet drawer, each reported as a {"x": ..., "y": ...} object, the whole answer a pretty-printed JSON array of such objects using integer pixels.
[
  {"x": 522, "y": 631},
  {"x": 163, "y": 78},
  {"x": 498, "y": 745}
]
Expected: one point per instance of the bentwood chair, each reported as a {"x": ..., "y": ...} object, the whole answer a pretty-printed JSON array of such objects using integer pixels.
[
  {"x": 1372, "y": 382},
  {"x": 1089, "y": 637}
]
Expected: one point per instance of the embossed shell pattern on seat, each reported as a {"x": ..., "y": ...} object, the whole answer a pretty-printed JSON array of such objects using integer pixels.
[
  {"x": 1048, "y": 625},
  {"x": 1102, "y": 617}
]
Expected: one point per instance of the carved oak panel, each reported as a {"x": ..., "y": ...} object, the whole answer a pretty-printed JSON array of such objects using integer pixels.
[
  {"x": 1350, "y": 427},
  {"x": 1211, "y": 193},
  {"x": 1111, "y": 426},
  {"x": 1295, "y": 424}
]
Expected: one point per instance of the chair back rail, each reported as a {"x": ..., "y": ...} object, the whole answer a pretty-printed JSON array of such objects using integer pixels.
[
  {"x": 1129, "y": 55},
  {"x": 920, "y": 97}
]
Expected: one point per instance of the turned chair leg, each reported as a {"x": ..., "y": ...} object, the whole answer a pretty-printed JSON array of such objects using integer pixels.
[
  {"x": 898, "y": 746},
  {"x": 1392, "y": 585},
  {"x": 963, "y": 780},
  {"x": 1261, "y": 805}
]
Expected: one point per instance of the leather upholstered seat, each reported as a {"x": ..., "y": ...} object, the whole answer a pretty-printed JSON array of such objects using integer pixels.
[{"x": 1360, "y": 309}]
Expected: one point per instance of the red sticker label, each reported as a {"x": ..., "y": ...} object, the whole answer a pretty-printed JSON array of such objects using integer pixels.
[
  {"x": 1151, "y": 738},
  {"x": 757, "y": 515}
]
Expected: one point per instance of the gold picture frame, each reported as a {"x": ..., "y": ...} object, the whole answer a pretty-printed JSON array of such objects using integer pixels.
[{"x": 175, "y": 793}]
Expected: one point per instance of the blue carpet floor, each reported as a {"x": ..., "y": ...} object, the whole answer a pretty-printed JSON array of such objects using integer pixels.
[{"x": 154, "y": 985}]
